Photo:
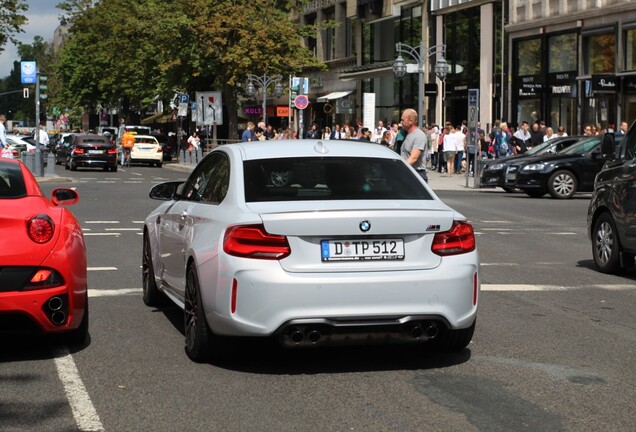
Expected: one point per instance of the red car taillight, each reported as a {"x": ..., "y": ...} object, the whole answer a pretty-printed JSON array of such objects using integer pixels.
[
  {"x": 112, "y": 150},
  {"x": 44, "y": 278},
  {"x": 40, "y": 228},
  {"x": 160, "y": 150},
  {"x": 252, "y": 241},
  {"x": 78, "y": 150},
  {"x": 460, "y": 239}
]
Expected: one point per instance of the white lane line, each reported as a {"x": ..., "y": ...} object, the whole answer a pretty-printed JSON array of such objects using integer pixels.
[
  {"x": 499, "y": 264},
  {"x": 561, "y": 233},
  {"x": 101, "y": 222},
  {"x": 123, "y": 229},
  {"x": 84, "y": 412},
  {"x": 116, "y": 234},
  {"x": 86, "y": 229},
  {"x": 140, "y": 233},
  {"x": 137, "y": 174},
  {"x": 513, "y": 287},
  {"x": 133, "y": 182},
  {"x": 88, "y": 178},
  {"x": 138, "y": 222},
  {"x": 101, "y": 268},
  {"x": 113, "y": 292}
]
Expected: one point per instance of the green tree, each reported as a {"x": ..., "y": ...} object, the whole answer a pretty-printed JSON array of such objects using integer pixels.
[
  {"x": 11, "y": 20},
  {"x": 133, "y": 51}
]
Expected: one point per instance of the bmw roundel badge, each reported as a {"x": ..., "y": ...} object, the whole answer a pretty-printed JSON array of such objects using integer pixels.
[{"x": 365, "y": 226}]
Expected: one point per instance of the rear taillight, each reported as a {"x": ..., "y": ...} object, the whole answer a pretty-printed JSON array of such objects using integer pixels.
[
  {"x": 460, "y": 239},
  {"x": 252, "y": 241},
  {"x": 40, "y": 228},
  {"x": 44, "y": 278},
  {"x": 159, "y": 150},
  {"x": 112, "y": 150},
  {"x": 78, "y": 150}
]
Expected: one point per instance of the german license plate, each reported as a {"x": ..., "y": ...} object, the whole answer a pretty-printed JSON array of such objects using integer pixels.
[
  {"x": 96, "y": 152},
  {"x": 362, "y": 250},
  {"x": 511, "y": 176}
]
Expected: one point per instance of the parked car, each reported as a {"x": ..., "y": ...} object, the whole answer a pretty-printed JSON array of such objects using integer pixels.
[
  {"x": 63, "y": 148},
  {"x": 561, "y": 175},
  {"x": 147, "y": 150},
  {"x": 166, "y": 145},
  {"x": 611, "y": 216},
  {"x": 42, "y": 258},
  {"x": 91, "y": 151},
  {"x": 19, "y": 144},
  {"x": 357, "y": 256},
  {"x": 494, "y": 172}
]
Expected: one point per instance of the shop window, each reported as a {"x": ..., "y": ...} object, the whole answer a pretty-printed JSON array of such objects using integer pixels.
[
  {"x": 562, "y": 51},
  {"x": 630, "y": 49},
  {"x": 367, "y": 43},
  {"x": 600, "y": 53},
  {"x": 330, "y": 34},
  {"x": 528, "y": 54},
  {"x": 529, "y": 110},
  {"x": 350, "y": 37}
]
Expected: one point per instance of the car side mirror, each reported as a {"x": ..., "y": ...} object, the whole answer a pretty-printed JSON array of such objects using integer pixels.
[
  {"x": 608, "y": 146},
  {"x": 64, "y": 196},
  {"x": 165, "y": 191}
]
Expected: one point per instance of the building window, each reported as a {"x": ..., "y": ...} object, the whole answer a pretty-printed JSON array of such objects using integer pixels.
[
  {"x": 600, "y": 53},
  {"x": 350, "y": 37},
  {"x": 529, "y": 57},
  {"x": 562, "y": 51},
  {"x": 630, "y": 49},
  {"x": 310, "y": 20},
  {"x": 368, "y": 43},
  {"x": 330, "y": 34}
]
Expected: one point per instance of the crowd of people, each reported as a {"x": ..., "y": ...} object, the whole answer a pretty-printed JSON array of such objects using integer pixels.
[{"x": 449, "y": 149}]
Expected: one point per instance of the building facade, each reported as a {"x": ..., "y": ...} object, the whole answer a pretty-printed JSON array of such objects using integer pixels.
[{"x": 573, "y": 62}]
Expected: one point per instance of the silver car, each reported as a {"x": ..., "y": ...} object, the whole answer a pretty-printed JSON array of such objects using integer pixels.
[{"x": 311, "y": 242}]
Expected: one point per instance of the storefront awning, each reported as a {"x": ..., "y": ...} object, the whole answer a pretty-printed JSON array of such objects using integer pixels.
[
  {"x": 372, "y": 70},
  {"x": 334, "y": 95}
]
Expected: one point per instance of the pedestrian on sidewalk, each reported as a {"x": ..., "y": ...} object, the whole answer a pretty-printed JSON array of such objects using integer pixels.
[{"x": 415, "y": 145}]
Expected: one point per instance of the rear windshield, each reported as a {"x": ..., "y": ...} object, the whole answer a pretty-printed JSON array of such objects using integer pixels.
[
  {"x": 11, "y": 181},
  {"x": 145, "y": 140},
  {"x": 330, "y": 178},
  {"x": 93, "y": 141}
]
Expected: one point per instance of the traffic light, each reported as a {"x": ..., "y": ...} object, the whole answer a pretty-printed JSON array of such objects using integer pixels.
[
  {"x": 42, "y": 79},
  {"x": 25, "y": 92}
]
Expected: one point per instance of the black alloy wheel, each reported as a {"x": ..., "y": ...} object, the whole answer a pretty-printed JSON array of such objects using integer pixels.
[
  {"x": 198, "y": 336},
  {"x": 605, "y": 244},
  {"x": 151, "y": 294}
]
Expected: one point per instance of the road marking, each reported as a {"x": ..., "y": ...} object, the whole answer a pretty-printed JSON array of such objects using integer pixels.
[
  {"x": 138, "y": 222},
  {"x": 520, "y": 287},
  {"x": 101, "y": 222},
  {"x": 84, "y": 412},
  {"x": 103, "y": 234},
  {"x": 101, "y": 268},
  {"x": 86, "y": 229},
  {"x": 123, "y": 229},
  {"x": 113, "y": 292},
  {"x": 133, "y": 182},
  {"x": 137, "y": 174},
  {"x": 561, "y": 233},
  {"x": 499, "y": 264}
]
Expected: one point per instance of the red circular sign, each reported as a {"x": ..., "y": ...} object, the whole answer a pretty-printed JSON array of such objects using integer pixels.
[{"x": 301, "y": 101}]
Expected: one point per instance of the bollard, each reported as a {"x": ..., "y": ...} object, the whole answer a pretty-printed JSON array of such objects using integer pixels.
[
  {"x": 29, "y": 161},
  {"x": 50, "y": 165},
  {"x": 182, "y": 157},
  {"x": 199, "y": 153}
]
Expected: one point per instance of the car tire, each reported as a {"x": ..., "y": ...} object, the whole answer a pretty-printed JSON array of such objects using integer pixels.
[
  {"x": 114, "y": 168},
  {"x": 562, "y": 184},
  {"x": 72, "y": 166},
  {"x": 606, "y": 245},
  {"x": 534, "y": 193},
  {"x": 454, "y": 340},
  {"x": 198, "y": 336},
  {"x": 151, "y": 294},
  {"x": 79, "y": 335},
  {"x": 106, "y": 169},
  {"x": 159, "y": 164}
]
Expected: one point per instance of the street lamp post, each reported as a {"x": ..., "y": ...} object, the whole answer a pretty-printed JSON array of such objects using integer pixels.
[
  {"x": 400, "y": 68},
  {"x": 264, "y": 81}
]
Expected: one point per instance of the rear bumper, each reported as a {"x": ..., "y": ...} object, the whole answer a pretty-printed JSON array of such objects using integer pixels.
[
  {"x": 110, "y": 161},
  {"x": 268, "y": 300}
]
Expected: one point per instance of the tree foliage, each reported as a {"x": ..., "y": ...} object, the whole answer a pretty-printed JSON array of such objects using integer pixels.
[
  {"x": 11, "y": 20},
  {"x": 133, "y": 51}
]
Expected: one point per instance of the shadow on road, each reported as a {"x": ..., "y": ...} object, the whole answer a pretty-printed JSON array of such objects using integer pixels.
[
  {"x": 29, "y": 347},
  {"x": 626, "y": 276},
  {"x": 267, "y": 356}
]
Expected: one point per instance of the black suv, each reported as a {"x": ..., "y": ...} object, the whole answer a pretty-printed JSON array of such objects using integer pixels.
[{"x": 611, "y": 217}]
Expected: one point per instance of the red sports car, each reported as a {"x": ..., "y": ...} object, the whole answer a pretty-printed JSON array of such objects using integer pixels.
[{"x": 42, "y": 258}]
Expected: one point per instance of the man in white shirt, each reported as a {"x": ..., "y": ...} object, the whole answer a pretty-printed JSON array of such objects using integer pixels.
[
  {"x": 522, "y": 138},
  {"x": 379, "y": 132},
  {"x": 3, "y": 132},
  {"x": 43, "y": 138}
]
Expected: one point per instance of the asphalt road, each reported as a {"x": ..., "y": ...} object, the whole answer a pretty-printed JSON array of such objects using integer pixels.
[{"x": 553, "y": 350}]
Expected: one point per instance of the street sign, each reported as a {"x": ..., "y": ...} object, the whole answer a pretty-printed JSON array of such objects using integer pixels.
[
  {"x": 27, "y": 72},
  {"x": 184, "y": 98},
  {"x": 473, "y": 97},
  {"x": 301, "y": 102},
  {"x": 209, "y": 107}
]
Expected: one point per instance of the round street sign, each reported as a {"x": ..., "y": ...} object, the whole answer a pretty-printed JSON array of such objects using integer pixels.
[{"x": 301, "y": 101}]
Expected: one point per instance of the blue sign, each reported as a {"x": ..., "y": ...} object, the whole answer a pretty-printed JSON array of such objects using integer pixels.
[
  {"x": 473, "y": 95},
  {"x": 193, "y": 106},
  {"x": 28, "y": 72},
  {"x": 184, "y": 98}
]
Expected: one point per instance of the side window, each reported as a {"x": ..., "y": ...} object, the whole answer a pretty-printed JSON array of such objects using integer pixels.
[
  {"x": 630, "y": 144},
  {"x": 209, "y": 181}
]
